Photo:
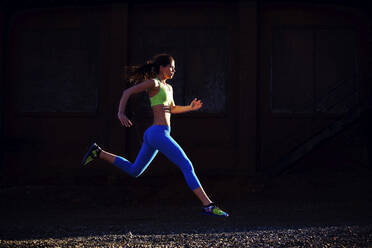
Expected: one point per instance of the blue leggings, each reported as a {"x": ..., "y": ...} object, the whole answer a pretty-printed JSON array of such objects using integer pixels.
[{"x": 157, "y": 138}]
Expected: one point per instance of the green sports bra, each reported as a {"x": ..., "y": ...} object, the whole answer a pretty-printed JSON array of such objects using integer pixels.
[{"x": 164, "y": 96}]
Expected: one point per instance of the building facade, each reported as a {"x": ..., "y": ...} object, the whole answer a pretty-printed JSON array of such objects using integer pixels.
[{"x": 277, "y": 80}]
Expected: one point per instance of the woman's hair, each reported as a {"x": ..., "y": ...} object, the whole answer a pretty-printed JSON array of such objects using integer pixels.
[{"x": 136, "y": 74}]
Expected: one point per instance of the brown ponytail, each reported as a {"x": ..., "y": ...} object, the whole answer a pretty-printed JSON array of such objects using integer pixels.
[{"x": 149, "y": 70}]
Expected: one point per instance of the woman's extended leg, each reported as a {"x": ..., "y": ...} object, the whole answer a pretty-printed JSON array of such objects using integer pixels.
[
  {"x": 144, "y": 158},
  {"x": 169, "y": 147},
  {"x": 175, "y": 154}
]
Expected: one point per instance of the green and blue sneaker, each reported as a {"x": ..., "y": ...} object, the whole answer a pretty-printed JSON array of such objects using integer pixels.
[
  {"x": 212, "y": 209},
  {"x": 92, "y": 154}
]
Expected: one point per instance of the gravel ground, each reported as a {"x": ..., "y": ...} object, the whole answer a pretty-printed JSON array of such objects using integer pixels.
[
  {"x": 329, "y": 211},
  {"x": 333, "y": 236}
]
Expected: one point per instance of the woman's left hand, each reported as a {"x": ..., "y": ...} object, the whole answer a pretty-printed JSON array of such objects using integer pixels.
[{"x": 196, "y": 104}]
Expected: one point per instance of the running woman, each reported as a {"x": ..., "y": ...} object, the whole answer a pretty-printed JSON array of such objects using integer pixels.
[{"x": 157, "y": 137}]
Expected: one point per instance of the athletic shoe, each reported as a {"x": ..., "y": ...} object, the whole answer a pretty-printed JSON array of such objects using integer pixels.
[
  {"x": 212, "y": 209},
  {"x": 92, "y": 154}
]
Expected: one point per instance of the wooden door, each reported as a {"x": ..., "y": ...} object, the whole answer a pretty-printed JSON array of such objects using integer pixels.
[
  {"x": 309, "y": 70},
  {"x": 63, "y": 80}
]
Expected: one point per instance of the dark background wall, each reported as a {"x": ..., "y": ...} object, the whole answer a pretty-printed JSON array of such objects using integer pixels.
[
  {"x": 266, "y": 71},
  {"x": 2, "y": 32},
  {"x": 313, "y": 71}
]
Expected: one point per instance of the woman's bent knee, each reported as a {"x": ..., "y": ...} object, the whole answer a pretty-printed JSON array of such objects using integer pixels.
[
  {"x": 187, "y": 167},
  {"x": 134, "y": 174}
]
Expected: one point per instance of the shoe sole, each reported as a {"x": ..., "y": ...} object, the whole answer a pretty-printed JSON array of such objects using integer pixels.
[{"x": 210, "y": 214}]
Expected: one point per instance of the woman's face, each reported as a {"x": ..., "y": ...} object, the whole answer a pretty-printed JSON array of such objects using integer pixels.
[{"x": 168, "y": 71}]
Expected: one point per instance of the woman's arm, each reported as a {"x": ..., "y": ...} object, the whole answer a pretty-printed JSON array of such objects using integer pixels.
[
  {"x": 194, "y": 105},
  {"x": 148, "y": 84}
]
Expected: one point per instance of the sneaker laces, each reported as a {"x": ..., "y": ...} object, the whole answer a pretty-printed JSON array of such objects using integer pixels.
[
  {"x": 210, "y": 207},
  {"x": 214, "y": 209}
]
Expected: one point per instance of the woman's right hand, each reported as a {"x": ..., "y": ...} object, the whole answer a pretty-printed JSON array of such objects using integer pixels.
[{"x": 124, "y": 120}]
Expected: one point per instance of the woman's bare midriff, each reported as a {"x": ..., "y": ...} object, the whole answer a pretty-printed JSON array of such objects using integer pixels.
[{"x": 162, "y": 115}]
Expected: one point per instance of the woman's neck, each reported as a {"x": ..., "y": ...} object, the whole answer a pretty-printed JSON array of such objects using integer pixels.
[{"x": 161, "y": 78}]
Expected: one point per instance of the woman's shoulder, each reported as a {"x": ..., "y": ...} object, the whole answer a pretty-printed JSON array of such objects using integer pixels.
[
  {"x": 145, "y": 85},
  {"x": 169, "y": 86},
  {"x": 157, "y": 82}
]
